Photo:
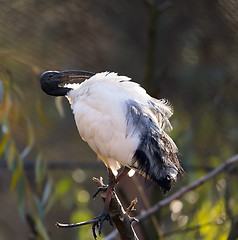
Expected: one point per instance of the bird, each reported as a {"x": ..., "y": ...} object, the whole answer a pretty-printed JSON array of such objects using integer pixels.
[{"x": 123, "y": 125}]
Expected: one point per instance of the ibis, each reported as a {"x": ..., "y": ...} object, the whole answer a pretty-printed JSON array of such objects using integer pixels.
[{"x": 123, "y": 125}]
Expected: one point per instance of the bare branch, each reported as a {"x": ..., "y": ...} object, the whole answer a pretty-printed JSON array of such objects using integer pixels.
[
  {"x": 227, "y": 164},
  {"x": 194, "y": 228},
  {"x": 52, "y": 165},
  {"x": 71, "y": 225},
  {"x": 122, "y": 220},
  {"x": 131, "y": 207},
  {"x": 120, "y": 217}
]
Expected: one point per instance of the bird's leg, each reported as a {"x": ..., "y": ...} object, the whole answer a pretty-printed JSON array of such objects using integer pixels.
[
  {"x": 117, "y": 179},
  {"x": 105, "y": 213},
  {"x": 122, "y": 174}
]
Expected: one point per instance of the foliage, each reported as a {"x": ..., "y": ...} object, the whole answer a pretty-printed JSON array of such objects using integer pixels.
[
  {"x": 34, "y": 199},
  {"x": 31, "y": 204}
]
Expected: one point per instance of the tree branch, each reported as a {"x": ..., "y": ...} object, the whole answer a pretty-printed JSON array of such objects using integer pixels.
[
  {"x": 71, "y": 225},
  {"x": 56, "y": 165},
  {"x": 227, "y": 164},
  {"x": 120, "y": 217}
]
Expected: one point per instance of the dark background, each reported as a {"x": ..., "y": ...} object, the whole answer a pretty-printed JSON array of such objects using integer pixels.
[{"x": 184, "y": 51}]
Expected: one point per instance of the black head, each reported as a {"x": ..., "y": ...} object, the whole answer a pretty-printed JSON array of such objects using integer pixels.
[{"x": 50, "y": 81}]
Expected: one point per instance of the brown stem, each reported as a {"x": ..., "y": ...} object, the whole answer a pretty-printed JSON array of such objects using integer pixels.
[{"x": 120, "y": 218}]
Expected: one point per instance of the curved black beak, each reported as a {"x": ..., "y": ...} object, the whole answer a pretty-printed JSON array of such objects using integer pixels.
[{"x": 50, "y": 81}]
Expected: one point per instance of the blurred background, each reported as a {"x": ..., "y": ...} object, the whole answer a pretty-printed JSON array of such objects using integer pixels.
[{"x": 184, "y": 51}]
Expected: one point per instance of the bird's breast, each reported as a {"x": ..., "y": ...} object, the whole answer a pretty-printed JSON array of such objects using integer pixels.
[{"x": 101, "y": 122}]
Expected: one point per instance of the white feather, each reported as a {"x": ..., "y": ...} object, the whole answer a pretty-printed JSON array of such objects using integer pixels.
[{"x": 100, "y": 111}]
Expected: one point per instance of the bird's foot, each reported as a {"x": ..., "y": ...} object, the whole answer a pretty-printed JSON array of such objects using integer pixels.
[
  {"x": 99, "y": 222},
  {"x": 100, "y": 189}
]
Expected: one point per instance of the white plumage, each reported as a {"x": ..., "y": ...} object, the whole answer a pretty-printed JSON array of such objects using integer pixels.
[
  {"x": 99, "y": 107},
  {"x": 122, "y": 124}
]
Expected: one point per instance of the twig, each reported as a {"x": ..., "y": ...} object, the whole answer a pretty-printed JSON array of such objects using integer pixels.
[
  {"x": 122, "y": 220},
  {"x": 194, "y": 228},
  {"x": 190, "y": 187},
  {"x": 69, "y": 165},
  {"x": 181, "y": 192},
  {"x": 131, "y": 207},
  {"x": 120, "y": 217},
  {"x": 71, "y": 225}
]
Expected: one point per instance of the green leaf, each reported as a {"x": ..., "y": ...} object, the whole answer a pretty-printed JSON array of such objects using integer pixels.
[
  {"x": 39, "y": 206},
  {"x": 30, "y": 143},
  {"x": 3, "y": 143},
  {"x": 41, "y": 113},
  {"x": 15, "y": 177},
  {"x": 11, "y": 154},
  {"x": 20, "y": 193},
  {"x": 50, "y": 203},
  {"x": 46, "y": 193},
  {"x": 40, "y": 169},
  {"x": 208, "y": 216},
  {"x": 41, "y": 229}
]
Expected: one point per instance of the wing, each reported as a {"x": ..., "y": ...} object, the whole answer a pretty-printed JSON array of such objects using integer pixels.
[
  {"x": 163, "y": 110},
  {"x": 156, "y": 154}
]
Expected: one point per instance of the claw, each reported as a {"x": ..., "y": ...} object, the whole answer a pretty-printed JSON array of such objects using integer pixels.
[
  {"x": 100, "y": 189},
  {"x": 99, "y": 222}
]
